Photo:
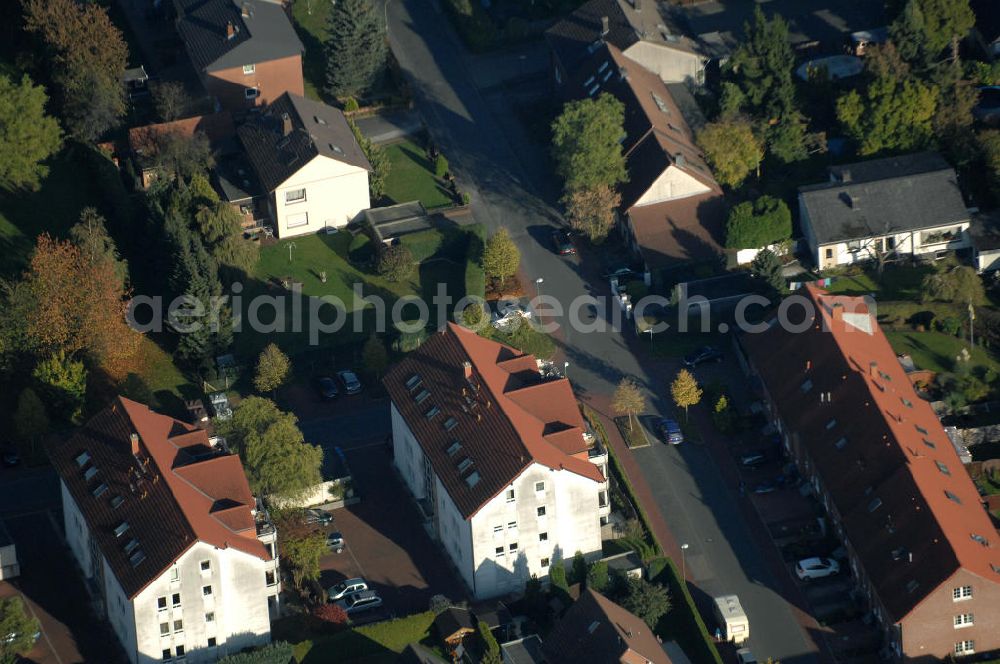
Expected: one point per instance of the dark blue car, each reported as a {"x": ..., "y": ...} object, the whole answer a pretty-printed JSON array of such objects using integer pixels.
[{"x": 671, "y": 432}]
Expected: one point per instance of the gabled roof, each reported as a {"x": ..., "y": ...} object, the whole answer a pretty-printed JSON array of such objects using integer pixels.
[
  {"x": 907, "y": 505},
  {"x": 487, "y": 428},
  {"x": 144, "y": 510},
  {"x": 687, "y": 229},
  {"x": 216, "y": 127},
  {"x": 261, "y": 32},
  {"x": 595, "y": 629},
  {"x": 572, "y": 39},
  {"x": 313, "y": 129},
  {"x": 881, "y": 196}
]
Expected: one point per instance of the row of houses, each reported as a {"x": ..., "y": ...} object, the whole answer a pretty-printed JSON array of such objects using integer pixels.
[
  {"x": 923, "y": 552},
  {"x": 289, "y": 165}
]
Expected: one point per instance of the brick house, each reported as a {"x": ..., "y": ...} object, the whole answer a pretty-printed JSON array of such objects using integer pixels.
[
  {"x": 246, "y": 52},
  {"x": 498, "y": 459},
  {"x": 922, "y": 549}
]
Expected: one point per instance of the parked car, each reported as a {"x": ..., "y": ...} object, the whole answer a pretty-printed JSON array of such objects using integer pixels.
[
  {"x": 358, "y": 602},
  {"x": 767, "y": 486},
  {"x": 753, "y": 459},
  {"x": 563, "y": 243},
  {"x": 509, "y": 311},
  {"x": 326, "y": 388},
  {"x": 349, "y": 380},
  {"x": 816, "y": 568},
  {"x": 345, "y": 588},
  {"x": 702, "y": 355},
  {"x": 744, "y": 656},
  {"x": 322, "y": 517},
  {"x": 220, "y": 405},
  {"x": 10, "y": 458},
  {"x": 335, "y": 542},
  {"x": 670, "y": 431}
]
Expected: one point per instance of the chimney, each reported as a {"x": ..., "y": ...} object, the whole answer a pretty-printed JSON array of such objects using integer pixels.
[
  {"x": 135, "y": 444},
  {"x": 809, "y": 365},
  {"x": 623, "y": 72},
  {"x": 286, "y": 124},
  {"x": 604, "y": 26},
  {"x": 467, "y": 367},
  {"x": 246, "y": 10},
  {"x": 230, "y": 30}
]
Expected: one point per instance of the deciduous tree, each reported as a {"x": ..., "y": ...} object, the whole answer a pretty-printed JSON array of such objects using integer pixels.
[
  {"x": 685, "y": 390},
  {"x": 501, "y": 257},
  {"x": 958, "y": 284},
  {"x": 395, "y": 262},
  {"x": 628, "y": 400},
  {"x": 27, "y": 135},
  {"x": 355, "y": 48},
  {"x": 181, "y": 155},
  {"x": 925, "y": 28},
  {"x": 374, "y": 356},
  {"x": 303, "y": 554},
  {"x": 732, "y": 150},
  {"x": 275, "y": 455},
  {"x": 272, "y": 369},
  {"x": 895, "y": 110},
  {"x": 170, "y": 100},
  {"x": 18, "y": 628},
  {"x": 649, "y": 601},
  {"x": 586, "y": 143},
  {"x": 331, "y": 614},
  {"x": 755, "y": 224},
  {"x": 592, "y": 211}
]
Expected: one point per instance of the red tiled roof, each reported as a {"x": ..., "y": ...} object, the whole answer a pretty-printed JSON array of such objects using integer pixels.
[
  {"x": 215, "y": 127},
  {"x": 907, "y": 505},
  {"x": 176, "y": 491},
  {"x": 595, "y": 629},
  {"x": 506, "y": 416}
]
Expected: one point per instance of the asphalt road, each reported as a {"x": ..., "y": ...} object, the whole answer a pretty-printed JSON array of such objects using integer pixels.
[{"x": 502, "y": 170}]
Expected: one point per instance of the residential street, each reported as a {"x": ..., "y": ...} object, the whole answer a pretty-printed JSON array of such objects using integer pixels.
[{"x": 504, "y": 172}]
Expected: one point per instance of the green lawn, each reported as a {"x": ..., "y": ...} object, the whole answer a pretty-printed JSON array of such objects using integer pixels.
[
  {"x": 411, "y": 177},
  {"x": 526, "y": 339},
  {"x": 936, "y": 351},
  {"x": 310, "y": 24},
  {"x": 53, "y": 208},
  {"x": 377, "y": 643},
  {"x": 896, "y": 283}
]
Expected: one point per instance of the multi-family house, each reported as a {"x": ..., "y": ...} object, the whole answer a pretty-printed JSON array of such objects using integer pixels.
[
  {"x": 673, "y": 209},
  {"x": 922, "y": 550},
  {"x": 307, "y": 161},
  {"x": 641, "y": 29},
  {"x": 246, "y": 52},
  {"x": 910, "y": 205},
  {"x": 497, "y": 456},
  {"x": 168, "y": 537}
]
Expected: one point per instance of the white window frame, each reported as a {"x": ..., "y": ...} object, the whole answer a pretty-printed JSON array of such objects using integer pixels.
[
  {"x": 499, "y": 552},
  {"x": 966, "y": 647},
  {"x": 293, "y": 201},
  {"x": 510, "y": 495},
  {"x": 962, "y": 620},
  {"x": 539, "y": 487},
  {"x": 961, "y": 594},
  {"x": 304, "y": 216},
  {"x": 249, "y": 69}
]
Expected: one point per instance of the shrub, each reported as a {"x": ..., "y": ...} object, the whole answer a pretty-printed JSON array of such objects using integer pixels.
[
  {"x": 351, "y": 105},
  {"x": 760, "y": 223},
  {"x": 597, "y": 576},
  {"x": 331, "y": 614},
  {"x": 491, "y": 649},
  {"x": 273, "y": 653},
  {"x": 440, "y": 166},
  {"x": 395, "y": 262},
  {"x": 649, "y": 601}
]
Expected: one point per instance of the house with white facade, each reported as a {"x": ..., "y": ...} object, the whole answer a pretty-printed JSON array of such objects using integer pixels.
[
  {"x": 642, "y": 30},
  {"x": 909, "y": 205},
  {"x": 498, "y": 459},
  {"x": 167, "y": 535},
  {"x": 308, "y": 163}
]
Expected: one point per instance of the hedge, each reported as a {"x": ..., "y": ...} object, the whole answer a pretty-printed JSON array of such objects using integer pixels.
[
  {"x": 752, "y": 225},
  {"x": 475, "y": 278}
]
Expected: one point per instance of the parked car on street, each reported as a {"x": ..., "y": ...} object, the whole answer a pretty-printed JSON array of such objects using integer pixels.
[
  {"x": 358, "y": 602},
  {"x": 702, "y": 355},
  {"x": 335, "y": 542},
  {"x": 753, "y": 459},
  {"x": 670, "y": 431},
  {"x": 326, "y": 388},
  {"x": 349, "y": 380},
  {"x": 816, "y": 568},
  {"x": 563, "y": 243},
  {"x": 345, "y": 588}
]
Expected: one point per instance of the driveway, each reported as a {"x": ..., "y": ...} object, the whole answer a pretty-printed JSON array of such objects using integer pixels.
[{"x": 508, "y": 179}]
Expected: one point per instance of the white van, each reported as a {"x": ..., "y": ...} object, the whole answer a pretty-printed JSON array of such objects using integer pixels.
[{"x": 732, "y": 620}]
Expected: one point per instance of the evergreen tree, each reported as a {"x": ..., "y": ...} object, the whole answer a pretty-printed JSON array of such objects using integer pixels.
[
  {"x": 31, "y": 422},
  {"x": 91, "y": 237},
  {"x": 28, "y": 135},
  {"x": 355, "y": 47},
  {"x": 63, "y": 382},
  {"x": 926, "y": 28}
]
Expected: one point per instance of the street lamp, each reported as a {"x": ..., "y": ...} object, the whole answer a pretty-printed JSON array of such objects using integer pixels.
[
  {"x": 538, "y": 286},
  {"x": 684, "y": 547},
  {"x": 565, "y": 369}
]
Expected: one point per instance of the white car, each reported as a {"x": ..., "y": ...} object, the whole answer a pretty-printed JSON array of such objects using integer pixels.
[
  {"x": 358, "y": 602},
  {"x": 345, "y": 588},
  {"x": 509, "y": 311},
  {"x": 816, "y": 568}
]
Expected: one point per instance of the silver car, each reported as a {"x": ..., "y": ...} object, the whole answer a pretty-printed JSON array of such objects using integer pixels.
[
  {"x": 358, "y": 602},
  {"x": 345, "y": 588}
]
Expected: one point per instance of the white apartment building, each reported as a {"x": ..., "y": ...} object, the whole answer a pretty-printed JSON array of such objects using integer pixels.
[
  {"x": 166, "y": 533},
  {"x": 309, "y": 163},
  {"x": 498, "y": 459}
]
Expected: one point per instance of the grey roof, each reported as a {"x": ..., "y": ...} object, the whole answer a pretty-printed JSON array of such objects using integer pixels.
[
  {"x": 315, "y": 130},
  {"x": 895, "y": 194},
  {"x": 235, "y": 179},
  {"x": 414, "y": 653},
  {"x": 395, "y": 221},
  {"x": 262, "y": 32},
  {"x": 985, "y": 231},
  {"x": 571, "y": 38},
  {"x": 624, "y": 562},
  {"x": 523, "y": 651}
]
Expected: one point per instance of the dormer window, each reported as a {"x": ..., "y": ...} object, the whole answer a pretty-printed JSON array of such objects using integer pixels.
[{"x": 249, "y": 69}]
